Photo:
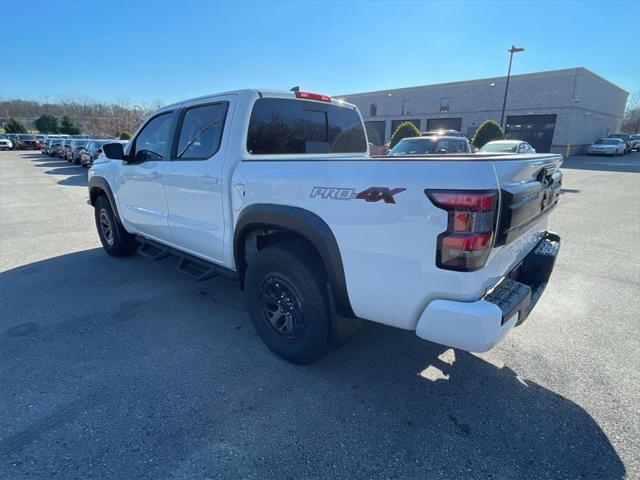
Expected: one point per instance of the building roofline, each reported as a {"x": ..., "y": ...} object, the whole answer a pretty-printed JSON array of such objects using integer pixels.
[
  {"x": 463, "y": 83},
  {"x": 599, "y": 77}
]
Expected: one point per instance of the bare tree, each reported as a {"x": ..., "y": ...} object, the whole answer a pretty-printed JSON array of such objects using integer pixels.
[
  {"x": 631, "y": 121},
  {"x": 94, "y": 117}
]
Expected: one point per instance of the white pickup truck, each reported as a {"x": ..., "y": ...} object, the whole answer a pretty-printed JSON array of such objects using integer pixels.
[{"x": 277, "y": 190}]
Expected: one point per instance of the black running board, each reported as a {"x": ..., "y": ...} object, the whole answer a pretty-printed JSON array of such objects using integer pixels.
[{"x": 192, "y": 266}]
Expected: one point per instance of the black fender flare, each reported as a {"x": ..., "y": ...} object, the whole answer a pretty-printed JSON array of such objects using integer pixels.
[
  {"x": 309, "y": 226},
  {"x": 99, "y": 185}
]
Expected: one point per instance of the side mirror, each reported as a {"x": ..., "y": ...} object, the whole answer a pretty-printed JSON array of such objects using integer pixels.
[{"x": 113, "y": 151}]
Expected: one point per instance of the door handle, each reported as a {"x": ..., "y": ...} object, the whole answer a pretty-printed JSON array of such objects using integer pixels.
[
  {"x": 155, "y": 174},
  {"x": 208, "y": 179}
]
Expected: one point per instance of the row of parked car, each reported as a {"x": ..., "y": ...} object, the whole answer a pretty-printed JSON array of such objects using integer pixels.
[
  {"x": 453, "y": 142},
  {"x": 20, "y": 141},
  {"x": 81, "y": 150},
  {"x": 615, "y": 144}
]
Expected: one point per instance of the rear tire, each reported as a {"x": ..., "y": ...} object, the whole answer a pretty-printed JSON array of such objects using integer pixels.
[
  {"x": 114, "y": 238},
  {"x": 287, "y": 303}
]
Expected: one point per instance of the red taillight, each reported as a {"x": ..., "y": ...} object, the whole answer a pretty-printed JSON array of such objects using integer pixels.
[
  {"x": 313, "y": 96},
  {"x": 466, "y": 243},
  {"x": 472, "y": 201}
]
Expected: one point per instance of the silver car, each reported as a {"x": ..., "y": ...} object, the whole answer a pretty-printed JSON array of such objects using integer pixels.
[
  {"x": 507, "y": 146},
  {"x": 607, "y": 146}
]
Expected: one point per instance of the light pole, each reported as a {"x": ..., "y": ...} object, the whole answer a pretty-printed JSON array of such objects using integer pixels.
[{"x": 512, "y": 50}]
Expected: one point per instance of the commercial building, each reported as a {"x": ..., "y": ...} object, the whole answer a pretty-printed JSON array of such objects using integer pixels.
[{"x": 556, "y": 111}]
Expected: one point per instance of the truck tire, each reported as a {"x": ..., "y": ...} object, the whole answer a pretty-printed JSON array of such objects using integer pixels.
[
  {"x": 284, "y": 284},
  {"x": 114, "y": 238}
]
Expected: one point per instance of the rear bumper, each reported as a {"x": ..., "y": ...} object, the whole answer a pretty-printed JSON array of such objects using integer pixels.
[{"x": 478, "y": 326}]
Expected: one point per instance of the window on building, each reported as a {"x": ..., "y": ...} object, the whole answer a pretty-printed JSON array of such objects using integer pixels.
[
  {"x": 373, "y": 110},
  {"x": 405, "y": 107},
  {"x": 445, "y": 104}
]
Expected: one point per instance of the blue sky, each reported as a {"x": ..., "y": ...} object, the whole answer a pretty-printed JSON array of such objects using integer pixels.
[{"x": 147, "y": 50}]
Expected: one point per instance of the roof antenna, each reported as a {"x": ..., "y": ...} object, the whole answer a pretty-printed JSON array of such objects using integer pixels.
[{"x": 295, "y": 89}]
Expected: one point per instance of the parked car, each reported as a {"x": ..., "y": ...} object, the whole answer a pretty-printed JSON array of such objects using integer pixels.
[
  {"x": 443, "y": 133},
  {"x": 65, "y": 144},
  {"x": 507, "y": 146},
  {"x": 44, "y": 147},
  {"x": 56, "y": 147},
  {"x": 27, "y": 142},
  {"x": 93, "y": 149},
  {"x": 433, "y": 144},
  {"x": 72, "y": 154},
  {"x": 636, "y": 142},
  {"x": 626, "y": 138},
  {"x": 12, "y": 138},
  {"x": 47, "y": 145},
  {"x": 5, "y": 144},
  {"x": 283, "y": 196},
  {"x": 607, "y": 146}
]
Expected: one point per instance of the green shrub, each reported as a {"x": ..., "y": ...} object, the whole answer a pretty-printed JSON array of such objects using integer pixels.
[
  {"x": 14, "y": 126},
  {"x": 404, "y": 130},
  {"x": 488, "y": 131},
  {"x": 47, "y": 124},
  {"x": 69, "y": 127},
  {"x": 125, "y": 136}
]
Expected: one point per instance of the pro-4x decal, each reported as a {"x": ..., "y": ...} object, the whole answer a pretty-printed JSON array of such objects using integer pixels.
[
  {"x": 371, "y": 194},
  {"x": 374, "y": 194}
]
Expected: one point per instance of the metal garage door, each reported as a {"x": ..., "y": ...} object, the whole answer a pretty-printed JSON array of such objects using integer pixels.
[{"x": 535, "y": 129}]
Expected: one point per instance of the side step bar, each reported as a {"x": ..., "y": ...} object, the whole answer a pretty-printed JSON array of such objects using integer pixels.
[
  {"x": 192, "y": 266},
  {"x": 153, "y": 251}
]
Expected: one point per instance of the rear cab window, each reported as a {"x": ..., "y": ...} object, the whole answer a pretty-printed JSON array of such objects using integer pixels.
[
  {"x": 201, "y": 131},
  {"x": 280, "y": 126}
]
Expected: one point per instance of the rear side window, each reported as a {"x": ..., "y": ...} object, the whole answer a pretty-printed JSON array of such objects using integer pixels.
[
  {"x": 443, "y": 147},
  {"x": 201, "y": 131},
  {"x": 458, "y": 146},
  {"x": 283, "y": 126}
]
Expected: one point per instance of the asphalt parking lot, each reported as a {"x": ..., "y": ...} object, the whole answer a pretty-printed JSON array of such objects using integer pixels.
[{"x": 125, "y": 369}]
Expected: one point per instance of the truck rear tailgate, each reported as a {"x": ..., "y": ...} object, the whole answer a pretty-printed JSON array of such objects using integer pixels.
[{"x": 529, "y": 188}]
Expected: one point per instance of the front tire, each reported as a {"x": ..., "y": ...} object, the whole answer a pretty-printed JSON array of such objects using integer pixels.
[
  {"x": 287, "y": 303},
  {"x": 114, "y": 238}
]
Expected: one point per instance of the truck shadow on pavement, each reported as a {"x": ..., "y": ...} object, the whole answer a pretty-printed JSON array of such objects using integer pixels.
[{"x": 122, "y": 368}]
